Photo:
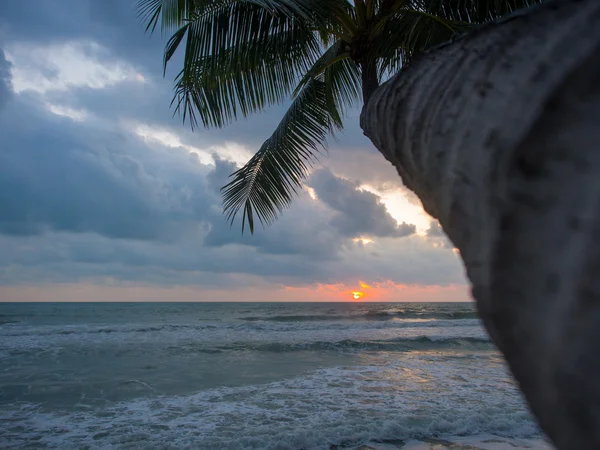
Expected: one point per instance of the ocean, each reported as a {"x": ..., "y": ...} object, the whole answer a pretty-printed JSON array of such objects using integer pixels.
[{"x": 255, "y": 376}]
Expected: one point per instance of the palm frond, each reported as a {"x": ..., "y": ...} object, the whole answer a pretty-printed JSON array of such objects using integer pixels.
[
  {"x": 267, "y": 183},
  {"x": 245, "y": 78},
  {"x": 240, "y": 55},
  {"x": 408, "y": 27},
  {"x": 408, "y": 32},
  {"x": 343, "y": 82},
  {"x": 333, "y": 54},
  {"x": 171, "y": 14},
  {"x": 471, "y": 11}
]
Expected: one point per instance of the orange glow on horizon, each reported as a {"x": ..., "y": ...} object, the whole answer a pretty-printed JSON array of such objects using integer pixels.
[
  {"x": 357, "y": 295},
  {"x": 101, "y": 290},
  {"x": 379, "y": 291}
]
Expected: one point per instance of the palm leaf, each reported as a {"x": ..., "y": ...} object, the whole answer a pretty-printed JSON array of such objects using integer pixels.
[
  {"x": 245, "y": 78},
  {"x": 408, "y": 27},
  {"x": 240, "y": 55},
  {"x": 171, "y": 14},
  {"x": 409, "y": 32},
  {"x": 343, "y": 82},
  {"x": 338, "y": 51},
  {"x": 472, "y": 11},
  {"x": 267, "y": 183}
]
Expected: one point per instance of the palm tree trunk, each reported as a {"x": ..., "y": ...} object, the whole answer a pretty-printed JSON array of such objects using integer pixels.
[
  {"x": 369, "y": 79},
  {"x": 498, "y": 133}
]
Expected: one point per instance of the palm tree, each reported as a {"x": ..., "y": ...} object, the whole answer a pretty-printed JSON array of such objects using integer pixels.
[
  {"x": 496, "y": 132},
  {"x": 242, "y": 56}
]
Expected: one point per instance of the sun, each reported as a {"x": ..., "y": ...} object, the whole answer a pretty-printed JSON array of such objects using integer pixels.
[{"x": 357, "y": 295}]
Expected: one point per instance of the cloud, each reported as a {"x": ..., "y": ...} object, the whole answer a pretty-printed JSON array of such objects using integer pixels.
[
  {"x": 438, "y": 236},
  {"x": 5, "y": 89},
  {"x": 435, "y": 230},
  {"x": 113, "y": 23},
  {"x": 100, "y": 184},
  {"x": 58, "y": 175},
  {"x": 59, "y": 67},
  {"x": 358, "y": 212},
  {"x": 301, "y": 230}
]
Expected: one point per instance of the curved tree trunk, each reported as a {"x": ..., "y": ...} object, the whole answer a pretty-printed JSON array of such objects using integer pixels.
[{"x": 498, "y": 133}]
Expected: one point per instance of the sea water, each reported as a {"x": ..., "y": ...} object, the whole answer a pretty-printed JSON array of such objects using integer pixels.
[{"x": 255, "y": 376}]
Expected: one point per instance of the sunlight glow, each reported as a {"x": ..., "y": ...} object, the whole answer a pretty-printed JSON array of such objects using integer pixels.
[
  {"x": 401, "y": 208},
  {"x": 312, "y": 193},
  {"x": 363, "y": 240},
  {"x": 357, "y": 295}
]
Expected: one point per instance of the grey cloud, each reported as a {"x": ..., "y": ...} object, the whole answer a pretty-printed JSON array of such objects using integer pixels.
[
  {"x": 5, "y": 89},
  {"x": 67, "y": 257},
  {"x": 437, "y": 234},
  {"x": 113, "y": 23},
  {"x": 435, "y": 230},
  {"x": 86, "y": 200},
  {"x": 150, "y": 104},
  {"x": 411, "y": 260},
  {"x": 57, "y": 175},
  {"x": 358, "y": 211},
  {"x": 302, "y": 229}
]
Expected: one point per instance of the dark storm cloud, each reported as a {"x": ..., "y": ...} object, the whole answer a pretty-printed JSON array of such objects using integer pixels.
[
  {"x": 64, "y": 176},
  {"x": 59, "y": 175},
  {"x": 358, "y": 211}
]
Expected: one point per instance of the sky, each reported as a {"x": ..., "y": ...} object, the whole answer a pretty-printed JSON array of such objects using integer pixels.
[{"x": 105, "y": 195}]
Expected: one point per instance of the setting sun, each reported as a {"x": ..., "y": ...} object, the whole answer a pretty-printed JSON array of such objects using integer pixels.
[{"x": 357, "y": 295}]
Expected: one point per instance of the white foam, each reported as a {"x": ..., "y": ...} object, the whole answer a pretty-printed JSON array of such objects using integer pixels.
[
  {"x": 55, "y": 337},
  {"x": 417, "y": 396},
  {"x": 481, "y": 442}
]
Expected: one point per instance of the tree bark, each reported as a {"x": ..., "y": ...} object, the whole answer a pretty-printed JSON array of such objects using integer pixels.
[
  {"x": 369, "y": 80},
  {"x": 498, "y": 133}
]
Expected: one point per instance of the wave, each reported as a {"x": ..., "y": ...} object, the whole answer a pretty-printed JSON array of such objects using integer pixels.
[
  {"x": 205, "y": 329},
  {"x": 346, "y": 345},
  {"x": 296, "y": 318},
  {"x": 339, "y": 408},
  {"x": 439, "y": 315},
  {"x": 8, "y": 321},
  {"x": 369, "y": 315}
]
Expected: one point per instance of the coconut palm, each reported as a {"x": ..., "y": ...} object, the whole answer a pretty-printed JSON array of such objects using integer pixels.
[
  {"x": 242, "y": 56},
  {"x": 496, "y": 132}
]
